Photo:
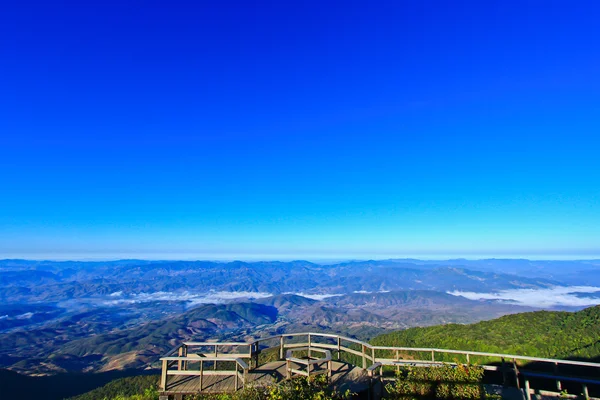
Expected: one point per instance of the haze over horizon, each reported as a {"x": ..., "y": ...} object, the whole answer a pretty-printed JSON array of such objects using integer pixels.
[
  {"x": 288, "y": 258},
  {"x": 270, "y": 130}
]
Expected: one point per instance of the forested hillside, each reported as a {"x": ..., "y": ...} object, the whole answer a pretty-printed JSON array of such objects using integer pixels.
[
  {"x": 541, "y": 334},
  {"x": 124, "y": 387}
]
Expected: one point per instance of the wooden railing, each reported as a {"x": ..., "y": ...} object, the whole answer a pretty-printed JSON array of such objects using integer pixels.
[
  {"x": 239, "y": 374},
  {"x": 183, "y": 362},
  {"x": 370, "y": 358},
  {"x": 312, "y": 365}
]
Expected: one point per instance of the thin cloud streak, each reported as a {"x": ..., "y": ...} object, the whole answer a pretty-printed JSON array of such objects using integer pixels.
[
  {"x": 541, "y": 298},
  {"x": 192, "y": 298}
]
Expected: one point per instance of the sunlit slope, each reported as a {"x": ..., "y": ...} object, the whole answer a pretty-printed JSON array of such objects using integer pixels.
[{"x": 541, "y": 334}]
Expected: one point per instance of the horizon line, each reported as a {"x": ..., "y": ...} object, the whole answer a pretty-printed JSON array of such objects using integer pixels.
[{"x": 291, "y": 258}]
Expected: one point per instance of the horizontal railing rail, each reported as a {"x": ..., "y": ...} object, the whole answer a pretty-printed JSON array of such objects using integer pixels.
[
  {"x": 210, "y": 344},
  {"x": 495, "y": 355}
]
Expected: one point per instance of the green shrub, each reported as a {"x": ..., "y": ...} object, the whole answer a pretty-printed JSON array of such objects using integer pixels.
[
  {"x": 445, "y": 382},
  {"x": 299, "y": 388}
]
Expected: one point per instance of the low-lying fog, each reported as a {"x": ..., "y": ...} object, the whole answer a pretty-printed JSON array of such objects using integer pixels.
[{"x": 559, "y": 296}]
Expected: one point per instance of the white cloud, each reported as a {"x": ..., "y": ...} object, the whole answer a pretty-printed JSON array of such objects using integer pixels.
[
  {"x": 193, "y": 298},
  {"x": 220, "y": 297},
  {"x": 27, "y": 315},
  {"x": 367, "y": 292},
  {"x": 315, "y": 296},
  {"x": 542, "y": 298},
  {"x": 3, "y": 316}
]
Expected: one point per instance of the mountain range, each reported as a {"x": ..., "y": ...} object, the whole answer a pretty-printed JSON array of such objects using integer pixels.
[{"x": 58, "y": 317}]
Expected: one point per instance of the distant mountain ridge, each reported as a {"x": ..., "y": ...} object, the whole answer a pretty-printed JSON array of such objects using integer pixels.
[{"x": 50, "y": 281}]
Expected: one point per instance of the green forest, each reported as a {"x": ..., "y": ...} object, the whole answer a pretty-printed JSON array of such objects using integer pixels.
[
  {"x": 132, "y": 388},
  {"x": 549, "y": 334}
]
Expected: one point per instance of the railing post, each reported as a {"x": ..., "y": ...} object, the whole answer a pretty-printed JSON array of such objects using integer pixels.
[
  {"x": 281, "y": 345},
  {"x": 586, "y": 395},
  {"x": 330, "y": 367},
  {"x": 185, "y": 353},
  {"x": 364, "y": 359},
  {"x": 309, "y": 352},
  {"x": 163, "y": 375},
  {"x": 372, "y": 355},
  {"x": 504, "y": 383},
  {"x": 216, "y": 355},
  {"x": 180, "y": 354},
  {"x": 558, "y": 382},
  {"x": 288, "y": 369},
  {"x": 250, "y": 355},
  {"x": 339, "y": 346},
  {"x": 256, "y": 352},
  {"x": 236, "y": 376},
  {"x": 468, "y": 362},
  {"x": 432, "y": 355},
  {"x": 201, "y": 373},
  {"x": 397, "y": 359},
  {"x": 527, "y": 394},
  {"x": 516, "y": 370}
]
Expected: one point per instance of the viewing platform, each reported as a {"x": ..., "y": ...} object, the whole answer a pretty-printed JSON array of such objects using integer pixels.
[{"x": 225, "y": 367}]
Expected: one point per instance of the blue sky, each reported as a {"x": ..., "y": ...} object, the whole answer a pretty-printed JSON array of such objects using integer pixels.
[{"x": 257, "y": 129}]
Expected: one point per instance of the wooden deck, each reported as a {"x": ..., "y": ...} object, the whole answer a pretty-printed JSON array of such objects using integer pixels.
[
  {"x": 214, "y": 366},
  {"x": 344, "y": 376}
]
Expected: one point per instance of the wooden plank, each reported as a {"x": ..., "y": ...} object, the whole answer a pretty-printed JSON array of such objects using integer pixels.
[
  {"x": 295, "y": 345},
  {"x": 222, "y": 357},
  {"x": 299, "y": 372},
  {"x": 212, "y": 355},
  {"x": 308, "y": 362},
  {"x": 217, "y": 343},
  {"x": 323, "y": 346},
  {"x": 197, "y": 373},
  {"x": 175, "y": 384},
  {"x": 188, "y": 384}
]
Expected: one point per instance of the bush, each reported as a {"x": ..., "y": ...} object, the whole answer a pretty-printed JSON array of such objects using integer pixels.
[
  {"x": 299, "y": 388},
  {"x": 444, "y": 382}
]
